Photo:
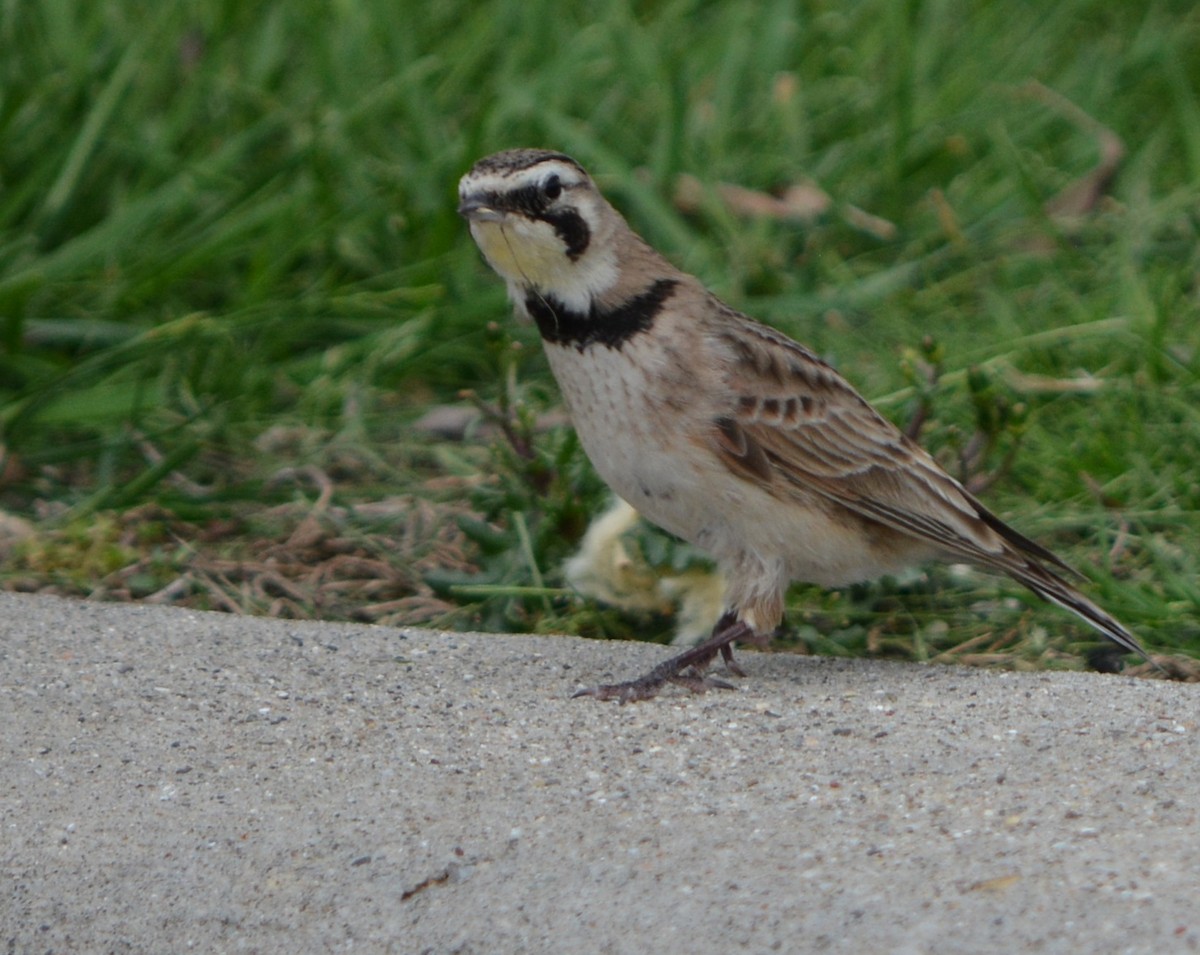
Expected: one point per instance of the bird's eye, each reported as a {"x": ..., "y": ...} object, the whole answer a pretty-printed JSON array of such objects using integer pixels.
[{"x": 552, "y": 188}]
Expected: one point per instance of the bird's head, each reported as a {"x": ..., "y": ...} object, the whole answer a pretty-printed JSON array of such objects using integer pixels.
[{"x": 542, "y": 224}]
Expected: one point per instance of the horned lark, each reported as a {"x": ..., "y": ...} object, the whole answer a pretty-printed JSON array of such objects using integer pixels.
[{"x": 721, "y": 430}]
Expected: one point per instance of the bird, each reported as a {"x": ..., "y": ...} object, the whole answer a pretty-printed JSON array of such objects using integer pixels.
[{"x": 722, "y": 430}]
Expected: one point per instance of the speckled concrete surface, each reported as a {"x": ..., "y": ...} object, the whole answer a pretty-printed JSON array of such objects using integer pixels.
[{"x": 176, "y": 781}]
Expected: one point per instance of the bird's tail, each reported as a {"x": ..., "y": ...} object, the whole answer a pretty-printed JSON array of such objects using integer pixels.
[{"x": 1050, "y": 586}]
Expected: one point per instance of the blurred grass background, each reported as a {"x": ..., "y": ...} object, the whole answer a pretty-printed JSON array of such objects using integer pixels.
[{"x": 232, "y": 283}]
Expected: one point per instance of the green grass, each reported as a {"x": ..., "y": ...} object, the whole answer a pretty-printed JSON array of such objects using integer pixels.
[{"x": 228, "y": 247}]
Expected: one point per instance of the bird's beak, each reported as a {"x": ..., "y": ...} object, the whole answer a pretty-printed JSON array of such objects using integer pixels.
[{"x": 475, "y": 209}]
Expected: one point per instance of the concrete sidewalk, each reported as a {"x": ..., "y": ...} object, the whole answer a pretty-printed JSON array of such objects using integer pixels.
[{"x": 178, "y": 781}]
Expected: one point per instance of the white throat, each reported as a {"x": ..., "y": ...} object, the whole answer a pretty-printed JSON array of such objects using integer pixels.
[{"x": 529, "y": 256}]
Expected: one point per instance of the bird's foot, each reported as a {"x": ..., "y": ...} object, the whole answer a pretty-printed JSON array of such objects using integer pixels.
[
  {"x": 647, "y": 687},
  {"x": 686, "y": 670},
  {"x": 731, "y": 664}
]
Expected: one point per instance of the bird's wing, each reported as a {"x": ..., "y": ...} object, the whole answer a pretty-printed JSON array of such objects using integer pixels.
[{"x": 796, "y": 426}]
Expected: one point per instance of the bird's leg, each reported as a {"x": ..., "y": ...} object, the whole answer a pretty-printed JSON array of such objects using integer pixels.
[
  {"x": 730, "y": 664},
  {"x": 760, "y": 640},
  {"x": 686, "y": 669}
]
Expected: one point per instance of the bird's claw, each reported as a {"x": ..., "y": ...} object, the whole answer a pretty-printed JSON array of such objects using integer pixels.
[
  {"x": 648, "y": 687},
  {"x": 730, "y": 664},
  {"x": 686, "y": 669}
]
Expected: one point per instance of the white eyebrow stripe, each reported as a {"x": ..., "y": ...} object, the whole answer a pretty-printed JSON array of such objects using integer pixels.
[
  {"x": 506, "y": 182},
  {"x": 488, "y": 182}
]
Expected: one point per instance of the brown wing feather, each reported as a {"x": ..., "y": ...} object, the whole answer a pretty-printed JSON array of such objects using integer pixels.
[
  {"x": 816, "y": 433},
  {"x": 741, "y": 454},
  {"x": 799, "y": 427}
]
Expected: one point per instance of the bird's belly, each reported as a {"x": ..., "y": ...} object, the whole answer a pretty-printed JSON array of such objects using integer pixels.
[
  {"x": 656, "y": 454},
  {"x": 643, "y": 454}
]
